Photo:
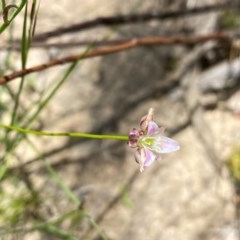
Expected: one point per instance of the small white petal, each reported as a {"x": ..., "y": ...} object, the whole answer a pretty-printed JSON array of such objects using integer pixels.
[
  {"x": 152, "y": 128},
  {"x": 163, "y": 144},
  {"x": 150, "y": 157}
]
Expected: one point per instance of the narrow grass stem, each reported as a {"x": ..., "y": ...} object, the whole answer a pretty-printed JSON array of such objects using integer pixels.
[
  {"x": 6, "y": 24},
  {"x": 63, "y": 134}
]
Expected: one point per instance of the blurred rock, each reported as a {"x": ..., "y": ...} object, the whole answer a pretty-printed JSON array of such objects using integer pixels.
[
  {"x": 184, "y": 197},
  {"x": 223, "y": 76},
  {"x": 209, "y": 100},
  {"x": 233, "y": 103}
]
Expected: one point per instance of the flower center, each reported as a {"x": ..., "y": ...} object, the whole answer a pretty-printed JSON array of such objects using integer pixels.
[{"x": 146, "y": 141}]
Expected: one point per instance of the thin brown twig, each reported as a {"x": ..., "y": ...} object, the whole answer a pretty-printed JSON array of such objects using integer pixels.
[
  {"x": 134, "y": 18},
  {"x": 100, "y": 43},
  {"x": 124, "y": 45}
]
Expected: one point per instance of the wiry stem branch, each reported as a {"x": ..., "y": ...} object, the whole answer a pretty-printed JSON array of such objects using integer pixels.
[
  {"x": 135, "y": 18},
  {"x": 121, "y": 46}
]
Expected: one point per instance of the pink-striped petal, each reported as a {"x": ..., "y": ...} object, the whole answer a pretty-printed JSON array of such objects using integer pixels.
[
  {"x": 150, "y": 157},
  {"x": 152, "y": 128},
  {"x": 144, "y": 157},
  {"x": 162, "y": 144}
]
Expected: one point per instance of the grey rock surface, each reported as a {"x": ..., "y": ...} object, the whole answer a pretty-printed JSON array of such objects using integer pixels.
[{"x": 189, "y": 195}]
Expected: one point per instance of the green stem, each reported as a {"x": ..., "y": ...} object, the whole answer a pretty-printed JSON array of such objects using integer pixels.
[
  {"x": 65, "y": 134},
  {"x": 3, "y": 5},
  {"x": 5, "y": 24}
]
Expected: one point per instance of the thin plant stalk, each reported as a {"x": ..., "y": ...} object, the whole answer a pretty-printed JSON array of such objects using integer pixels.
[
  {"x": 19, "y": 9},
  {"x": 64, "y": 134}
]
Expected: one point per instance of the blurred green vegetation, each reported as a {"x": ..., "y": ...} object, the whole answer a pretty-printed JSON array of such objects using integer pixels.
[
  {"x": 125, "y": 198},
  {"x": 15, "y": 202},
  {"x": 234, "y": 164},
  {"x": 229, "y": 20}
]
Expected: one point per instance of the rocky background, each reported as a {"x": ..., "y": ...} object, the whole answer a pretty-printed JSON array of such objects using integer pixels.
[{"x": 195, "y": 92}]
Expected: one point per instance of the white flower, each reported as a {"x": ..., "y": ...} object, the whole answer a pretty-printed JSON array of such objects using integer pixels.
[{"x": 150, "y": 142}]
